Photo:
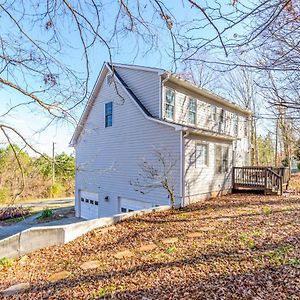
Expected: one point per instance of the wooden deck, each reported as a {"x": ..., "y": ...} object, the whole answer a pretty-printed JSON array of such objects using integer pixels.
[{"x": 270, "y": 180}]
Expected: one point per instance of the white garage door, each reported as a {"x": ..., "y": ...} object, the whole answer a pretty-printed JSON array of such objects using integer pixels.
[
  {"x": 128, "y": 205},
  {"x": 89, "y": 205}
]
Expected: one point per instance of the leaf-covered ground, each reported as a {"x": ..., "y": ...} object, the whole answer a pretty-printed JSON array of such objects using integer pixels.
[{"x": 234, "y": 247}]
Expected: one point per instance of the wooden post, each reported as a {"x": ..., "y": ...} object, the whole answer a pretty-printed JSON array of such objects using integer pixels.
[
  {"x": 233, "y": 178},
  {"x": 266, "y": 181}
]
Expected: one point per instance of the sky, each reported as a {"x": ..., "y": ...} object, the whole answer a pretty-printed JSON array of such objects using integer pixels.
[{"x": 30, "y": 121}]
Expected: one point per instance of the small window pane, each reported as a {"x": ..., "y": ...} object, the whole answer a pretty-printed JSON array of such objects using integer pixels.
[
  {"x": 82, "y": 199},
  {"x": 92, "y": 201},
  {"x": 236, "y": 124},
  {"x": 123, "y": 210},
  {"x": 192, "y": 109},
  {"x": 221, "y": 159},
  {"x": 170, "y": 104},
  {"x": 96, "y": 203},
  {"x": 214, "y": 112},
  {"x": 87, "y": 200},
  {"x": 108, "y": 114},
  {"x": 222, "y": 113},
  {"x": 130, "y": 210},
  {"x": 201, "y": 155}
]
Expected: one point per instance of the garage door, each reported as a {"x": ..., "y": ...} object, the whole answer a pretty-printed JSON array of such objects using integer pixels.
[
  {"x": 128, "y": 205},
  {"x": 89, "y": 205}
]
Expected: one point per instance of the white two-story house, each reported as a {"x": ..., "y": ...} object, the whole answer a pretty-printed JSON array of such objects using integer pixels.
[{"x": 134, "y": 112}]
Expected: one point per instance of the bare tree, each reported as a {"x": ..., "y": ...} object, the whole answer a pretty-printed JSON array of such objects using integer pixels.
[
  {"x": 157, "y": 174},
  {"x": 241, "y": 87},
  {"x": 200, "y": 73},
  {"x": 39, "y": 37}
]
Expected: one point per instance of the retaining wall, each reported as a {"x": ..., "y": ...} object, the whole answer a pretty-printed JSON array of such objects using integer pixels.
[{"x": 39, "y": 237}]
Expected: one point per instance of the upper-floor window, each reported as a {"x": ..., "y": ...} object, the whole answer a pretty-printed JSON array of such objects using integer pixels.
[
  {"x": 214, "y": 112},
  {"x": 201, "y": 155},
  {"x": 236, "y": 124},
  {"x": 108, "y": 114},
  {"x": 170, "y": 104},
  {"x": 221, "y": 159},
  {"x": 192, "y": 111},
  {"x": 222, "y": 115},
  {"x": 246, "y": 127}
]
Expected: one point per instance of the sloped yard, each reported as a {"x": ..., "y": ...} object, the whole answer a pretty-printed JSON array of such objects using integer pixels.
[{"x": 234, "y": 247}]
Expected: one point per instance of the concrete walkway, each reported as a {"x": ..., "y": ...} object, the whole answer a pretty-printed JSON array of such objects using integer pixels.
[{"x": 8, "y": 230}]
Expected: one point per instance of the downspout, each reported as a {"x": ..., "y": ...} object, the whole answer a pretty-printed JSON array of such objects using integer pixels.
[{"x": 183, "y": 135}]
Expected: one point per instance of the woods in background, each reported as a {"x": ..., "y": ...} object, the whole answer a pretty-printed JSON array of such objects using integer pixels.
[{"x": 34, "y": 180}]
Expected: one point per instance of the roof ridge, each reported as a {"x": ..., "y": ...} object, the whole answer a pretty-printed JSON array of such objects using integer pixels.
[{"x": 133, "y": 66}]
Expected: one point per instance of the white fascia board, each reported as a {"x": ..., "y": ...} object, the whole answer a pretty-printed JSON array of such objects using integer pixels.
[
  {"x": 86, "y": 110},
  {"x": 142, "y": 68}
]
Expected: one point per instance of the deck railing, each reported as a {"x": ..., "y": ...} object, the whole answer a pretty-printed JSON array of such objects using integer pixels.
[{"x": 267, "y": 179}]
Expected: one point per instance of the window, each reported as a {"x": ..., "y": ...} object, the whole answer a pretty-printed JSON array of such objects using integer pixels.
[
  {"x": 82, "y": 199},
  {"x": 236, "y": 124},
  {"x": 192, "y": 110},
  {"x": 201, "y": 155},
  {"x": 91, "y": 201},
  {"x": 123, "y": 210},
  {"x": 246, "y": 128},
  {"x": 221, "y": 156},
  {"x": 214, "y": 112},
  {"x": 222, "y": 113},
  {"x": 170, "y": 104},
  {"x": 108, "y": 114},
  {"x": 96, "y": 203}
]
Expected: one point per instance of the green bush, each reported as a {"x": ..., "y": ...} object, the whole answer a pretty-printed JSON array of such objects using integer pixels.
[
  {"x": 46, "y": 213},
  {"x": 298, "y": 166},
  {"x": 6, "y": 262},
  {"x": 56, "y": 190},
  {"x": 4, "y": 195}
]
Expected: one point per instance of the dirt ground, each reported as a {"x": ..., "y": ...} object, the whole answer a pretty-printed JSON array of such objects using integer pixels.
[{"x": 239, "y": 246}]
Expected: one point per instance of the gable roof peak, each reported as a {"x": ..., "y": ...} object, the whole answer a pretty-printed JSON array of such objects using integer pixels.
[{"x": 137, "y": 67}]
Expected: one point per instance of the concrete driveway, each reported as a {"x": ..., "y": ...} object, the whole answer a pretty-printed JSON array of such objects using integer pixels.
[
  {"x": 32, "y": 221},
  {"x": 51, "y": 203}
]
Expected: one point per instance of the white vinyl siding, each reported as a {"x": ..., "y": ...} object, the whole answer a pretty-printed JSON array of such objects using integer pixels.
[
  {"x": 107, "y": 160},
  {"x": 145, "y": 85},
  {"x": 209, "y": 115},
  {"x": 204, "y": 182}
]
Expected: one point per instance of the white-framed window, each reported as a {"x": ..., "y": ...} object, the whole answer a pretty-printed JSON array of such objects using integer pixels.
[
  {"x": 201, "y": 155},
  {"x": 236, "y": 125},
  {"x": 170, "y": 104},
  {"x": 221, "y": 158},
  {"x": 192, "y": 111},
  {"x": 108, "y": 114},
  {"x": 214, "y": 112},
  {"x": 246, "y": 127}
]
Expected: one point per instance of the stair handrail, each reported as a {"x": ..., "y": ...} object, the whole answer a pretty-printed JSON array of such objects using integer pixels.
[
  {"x": 277, "y": 175},
  {"x": 280, "y": 177}
]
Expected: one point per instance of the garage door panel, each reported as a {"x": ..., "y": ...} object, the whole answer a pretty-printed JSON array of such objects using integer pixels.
[
  {"x": 128, "y": 205},
  {"x": 89, "y": 205}
]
